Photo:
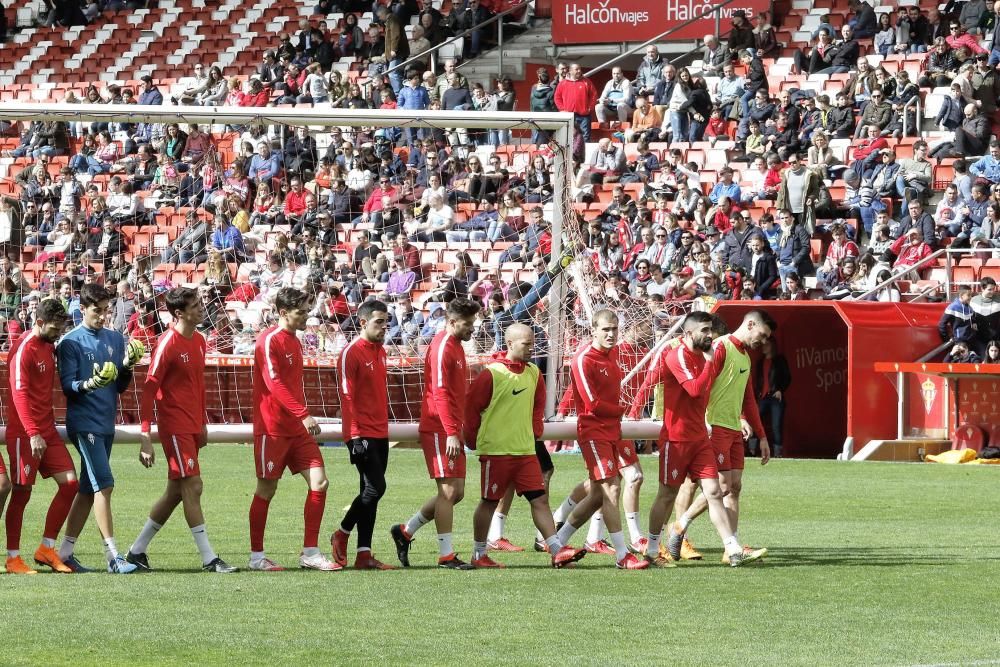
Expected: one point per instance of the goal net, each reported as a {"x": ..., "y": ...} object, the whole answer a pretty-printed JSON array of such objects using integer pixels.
[{"x": 342, "y": 203}]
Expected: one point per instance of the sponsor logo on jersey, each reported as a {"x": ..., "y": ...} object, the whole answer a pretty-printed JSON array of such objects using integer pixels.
[
  {"x": 185, "y": 357},
  {"x": 41, "y": 366},
  {"x": 289, "y": 358},
  {"x": 518, "y": 391}
]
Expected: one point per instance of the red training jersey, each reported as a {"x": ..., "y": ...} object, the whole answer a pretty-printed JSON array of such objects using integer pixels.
[
  {"x": 445, "y": 386},
  {"x": 279, "y": 399},
  {"x": 597, "y": 388},
  {"x": 32, "y": 367},
  {"x": 176, "y": 382},
  {"x": 364, "y": 398},
  {"x": 686, "y": 388}
]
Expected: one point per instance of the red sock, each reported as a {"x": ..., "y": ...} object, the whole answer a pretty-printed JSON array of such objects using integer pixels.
[
  {"x": 59, "y": 508},
  {"x": 313, "y": 514},
  {"x": 15, "y": 515},
  {"x": 258, "y": 520}
]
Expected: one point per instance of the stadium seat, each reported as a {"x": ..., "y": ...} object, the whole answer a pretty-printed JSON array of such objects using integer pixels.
[{"x": 968, "y": 436}]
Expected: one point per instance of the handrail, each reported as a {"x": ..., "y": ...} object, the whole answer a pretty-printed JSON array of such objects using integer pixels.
[
  {"x": 935, "y": 352},
  {"x": 717, "y": 10},
  {"x": 902, "y": 272},
  {"x": 915, "y": 100},
  {"x": 434, "y": 49}
]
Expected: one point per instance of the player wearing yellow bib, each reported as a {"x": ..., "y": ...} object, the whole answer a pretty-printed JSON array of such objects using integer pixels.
[
  {"x": 503, "y": 418},
  {"x": 730, "y": 400}
]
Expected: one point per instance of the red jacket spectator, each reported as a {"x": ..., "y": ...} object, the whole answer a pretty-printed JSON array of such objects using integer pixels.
[
  {"x": 258, "y": 99},
  {"x": 578, "y": 96},
  {"x": 295, "y": 202},
  {"x": 865, "y": 146}
]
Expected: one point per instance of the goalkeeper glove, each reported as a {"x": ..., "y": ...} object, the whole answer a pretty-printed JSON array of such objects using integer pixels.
[
  {"x": 134, "y": 351},
  {"x": 102, "y": 377}
]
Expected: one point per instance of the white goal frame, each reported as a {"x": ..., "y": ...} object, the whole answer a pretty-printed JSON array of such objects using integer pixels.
[{"x": 560, "y": 125}]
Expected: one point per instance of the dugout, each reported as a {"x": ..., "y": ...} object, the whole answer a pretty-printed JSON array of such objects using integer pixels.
[{"x": 831, "y": 348}]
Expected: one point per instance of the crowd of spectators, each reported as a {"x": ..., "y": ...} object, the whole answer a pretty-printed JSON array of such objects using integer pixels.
[{"x": 347, "y": 214}]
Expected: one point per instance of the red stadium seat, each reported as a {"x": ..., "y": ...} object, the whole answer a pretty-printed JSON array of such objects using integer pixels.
[{"x": 968, "y": 436}]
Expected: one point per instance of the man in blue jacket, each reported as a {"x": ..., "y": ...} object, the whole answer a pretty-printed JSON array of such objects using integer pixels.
[{"x": 95, "y": 366}]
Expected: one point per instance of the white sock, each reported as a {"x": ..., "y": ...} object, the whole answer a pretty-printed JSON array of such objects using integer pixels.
[
  {"x": 110, "y": 550},
  {"x": 618, "y": 542},
  {"x": 562, "y": 513},
  {"x": 554, "y": 544},
  {"x": 566, "y": 533},
  {"x": 48, "y": 542},
  {"x": 653, "y": 546},
  {"x": 257, "y": 556},
  {"x": 732, "y": 545},
  {"x": 444, "y": 544},
  {"x": 632, "y": 520},
  {"x": 67, "y": 546},
  {"x": 146, "y": 535},
  {"x": 13, "y": 553},
  {"x": 496, "y": 527},
  {"x": 310, "y": 551},
  {"x": 478, "y": 549},
  {"x": 200, "y": 536},
  {"x": 363, "y": 549},
  {"x": 595, "y": 533},
  {"x": 684, "y": 522},
  {"x": 415, "y": 522}
]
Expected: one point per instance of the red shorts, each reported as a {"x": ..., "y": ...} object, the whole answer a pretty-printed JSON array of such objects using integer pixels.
[
  {"x": 24, "y": 466},
  {"x": 728, "y": 447},
  {"x": 605, "y": 458},
  {"x": 679, "y": 460},
  {"x": 273, "y": 453},
  {"x": 627, "y": 456},
  {"x": 497, "y": 473},
  {"x": 181, "y": 451},
  {"x": 3, "y": 467},
  {"x": 439, "y": 466}
]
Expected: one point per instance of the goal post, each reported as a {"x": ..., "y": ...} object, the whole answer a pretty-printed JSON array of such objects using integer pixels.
[{"x": 230, "y": 391}]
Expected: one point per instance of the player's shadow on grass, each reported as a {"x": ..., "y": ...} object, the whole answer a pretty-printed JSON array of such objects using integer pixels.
[{"x": 872, "y": 556}]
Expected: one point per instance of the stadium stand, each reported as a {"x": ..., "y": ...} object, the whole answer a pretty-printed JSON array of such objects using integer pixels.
[{"x": 816, "y": 164}]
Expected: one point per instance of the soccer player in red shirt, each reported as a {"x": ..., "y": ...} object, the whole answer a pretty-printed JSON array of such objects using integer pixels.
[
  {"x": 442, "y": 421},
  {"x": 684, "y": 446},
  {"x": 32, "y": 441},
  {"x": 731, "y": 396},
  {"x": 364, "y": 407},
  {"x": 284, "y": 432},
  {"x": 597, "y": 380},
  {"x": 175, "y": 381},
  {"x": 503, "y": 419}
]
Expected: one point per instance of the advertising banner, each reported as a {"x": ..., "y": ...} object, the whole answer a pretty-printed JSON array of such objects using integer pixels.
[{"x": 597, "y": 21}]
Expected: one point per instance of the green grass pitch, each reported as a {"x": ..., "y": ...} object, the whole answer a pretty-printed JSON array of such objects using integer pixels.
[{"x": 870, "y": 564}]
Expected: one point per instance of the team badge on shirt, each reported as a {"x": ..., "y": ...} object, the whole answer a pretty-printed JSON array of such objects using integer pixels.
[
  {"x": 451, "y": 465},
  {"x": 674, "y": 473},
  {"x": 270, "y": 466},
  {"x": 111, "y": 350},
  {"x": 190, "y": 464},
  {"x": 27, "y": 469}
]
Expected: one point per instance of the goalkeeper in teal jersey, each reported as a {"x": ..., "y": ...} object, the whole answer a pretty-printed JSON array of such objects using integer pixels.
[{"x": 95, "y": 366}]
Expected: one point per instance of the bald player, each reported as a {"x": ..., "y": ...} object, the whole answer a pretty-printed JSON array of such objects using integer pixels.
[{"x": 503, "y": 418}]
